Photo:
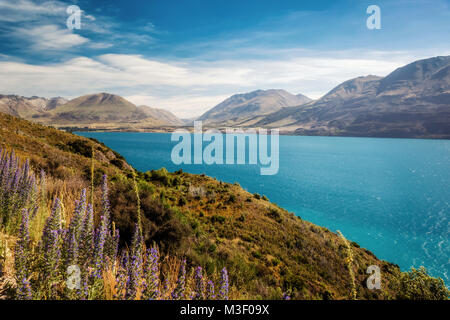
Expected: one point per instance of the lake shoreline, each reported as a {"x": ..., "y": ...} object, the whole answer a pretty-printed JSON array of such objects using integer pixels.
[{"x": 222, "y": 130}]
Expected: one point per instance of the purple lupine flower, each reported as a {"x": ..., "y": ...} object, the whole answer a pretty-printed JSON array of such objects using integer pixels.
[
  {"x": 53, "y": 223},
  {"x": 24, "y": 290},
  {"x": 22, "y": 256},
  {"x": 285, "y": 297},
  {"x": 51, "y": 241},
  {"x": 178, "y": 292},
  {"x": 166, "y": 286},
  {"x": 73, "y": 238},
  {"x": 122, "y": 278},
  {"x": 199, "y": 285},
  {"x": 135, "y": 264},
  {"x": 151, "y": 290},
  {"x": 223, "y": 292},
  {"x": 17, "y": 187},
  {"x": 84, "y": 292},
  {"x": 100, "y": 240},
  {"x": 210, "y": 294},
  {"x": 87, "y": 237},
  {"x": 72, "y": 250}
]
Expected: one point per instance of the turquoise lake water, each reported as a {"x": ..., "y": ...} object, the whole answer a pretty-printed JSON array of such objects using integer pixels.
[{"x": 391, "y": 196}]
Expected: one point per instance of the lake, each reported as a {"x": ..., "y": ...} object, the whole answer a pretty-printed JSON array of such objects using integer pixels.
[{"x": 391, "y": 196}]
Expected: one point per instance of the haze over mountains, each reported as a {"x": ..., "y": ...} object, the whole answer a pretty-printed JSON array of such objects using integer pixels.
[{"x": 412, "y": 101}]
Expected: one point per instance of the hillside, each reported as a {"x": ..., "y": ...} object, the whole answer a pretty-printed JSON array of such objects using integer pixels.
[
  {"x": 413, "y": 102},
  {"x": 161, "y": 114},
  {"x": 25, "y": 107},
  {"x": 267, "y": 250},
  {"x": 244, "y": 106},
  {"x": 102, "y": 111}
]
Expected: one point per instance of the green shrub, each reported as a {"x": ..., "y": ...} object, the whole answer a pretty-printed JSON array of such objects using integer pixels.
[
  {"x": 418, "y": 285},
  {"x": 218, "y": 218},
  {"x": 274, "y": 214}
]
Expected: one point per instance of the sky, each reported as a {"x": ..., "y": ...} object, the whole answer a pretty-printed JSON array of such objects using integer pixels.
[{"x": 187, "y": 56}]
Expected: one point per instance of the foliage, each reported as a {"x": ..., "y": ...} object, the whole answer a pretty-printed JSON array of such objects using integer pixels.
[
  {"x": 418, "y": 285},
  {"x": 41, "y": 271}
]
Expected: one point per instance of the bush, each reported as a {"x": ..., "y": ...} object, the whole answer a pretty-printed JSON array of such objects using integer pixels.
[
  {"x": 418, "y": 285},
  {"x": 232, "y": 198},
  {"x": 274, "y": 214},
  {"x": 218, "y": 218}
]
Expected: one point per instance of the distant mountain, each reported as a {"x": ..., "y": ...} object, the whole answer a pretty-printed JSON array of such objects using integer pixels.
[
  {"x": 94, "y": 108},
  {"x": 241, "y": 107},
  {"x": 23, "y": 107},
  {"x": 412, "y": 101},
  {"x": 96, "y": 111},
  {"x": 161, "y": 114}
]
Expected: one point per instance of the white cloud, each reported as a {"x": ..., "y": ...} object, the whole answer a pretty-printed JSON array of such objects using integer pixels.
[
  {"x": 50, "y": 37},
  {"x": 188, "y": 87},
  {"x": 27, "y": 10}
]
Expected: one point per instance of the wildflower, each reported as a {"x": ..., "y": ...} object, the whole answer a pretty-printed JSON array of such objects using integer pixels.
[
  {"x": 286, "y": 297},
  {"x": 121, "y": 277},
  {"x": 135, "y": 266},
  {"x": 51, "y": 241},
  {"x": 199, "y": 285},
  {"x": 152, "y": 274},
  {"x": 223, "y": 292},
  {"x": 24, "y": 290},
  {"x": 74, "y": 232},
  {"x": 210, "y": 295},
  {"x": 87, "y": 237},
  {"x": 22, "y": 256},
  {"x": 178, "y": 292}
]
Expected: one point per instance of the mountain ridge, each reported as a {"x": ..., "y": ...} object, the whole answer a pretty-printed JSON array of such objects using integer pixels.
[
  {"x": 94, "y": 111},
  {"x": 411, "y": 102},
  {"x": 248, "y": 105}
]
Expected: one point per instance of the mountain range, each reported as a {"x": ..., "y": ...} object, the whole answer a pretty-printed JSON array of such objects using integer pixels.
[
  {"x": 94, "y": 111},
  {"x": 412, "y": 101}
]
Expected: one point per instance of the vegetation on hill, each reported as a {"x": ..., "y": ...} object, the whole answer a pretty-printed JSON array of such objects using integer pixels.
[{"x": 269, "y": 253}]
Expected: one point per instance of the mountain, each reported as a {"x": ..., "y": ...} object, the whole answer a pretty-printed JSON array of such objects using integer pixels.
[
  {"x": 161, "y": 114},
  {"x": 102, "y": 111},
  {"x": 25, "y": 107},
  {"x": 244, "y": 106},
  {"x": 94, "y": 108},
  {"x": 412, "y": 101}
]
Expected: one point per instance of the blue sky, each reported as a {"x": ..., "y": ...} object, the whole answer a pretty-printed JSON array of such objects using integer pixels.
[{"x": 187, "y": 56}]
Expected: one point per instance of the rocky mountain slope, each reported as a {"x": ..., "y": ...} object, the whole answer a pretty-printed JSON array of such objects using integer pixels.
[
  {"x": 244, "y": 106},
  {"x": 93, "y": 111},
  {"x": 25, "y": 107},
  {"x": 161, "y": 114},
  {"x": 412, "y": 101}
]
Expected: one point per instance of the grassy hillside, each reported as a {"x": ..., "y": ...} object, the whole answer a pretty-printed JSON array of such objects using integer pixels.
[{"x": 267, "y": 251}]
